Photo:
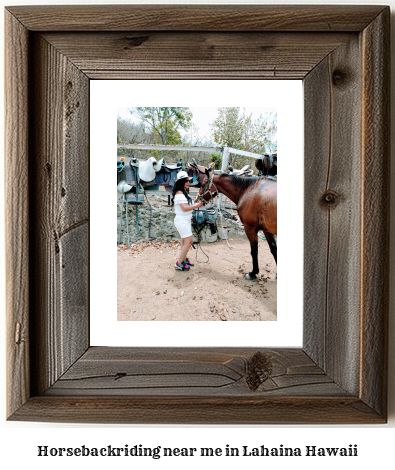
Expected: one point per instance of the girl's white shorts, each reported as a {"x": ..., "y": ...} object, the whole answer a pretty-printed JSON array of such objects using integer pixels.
[{"x": 183, "y": 225}]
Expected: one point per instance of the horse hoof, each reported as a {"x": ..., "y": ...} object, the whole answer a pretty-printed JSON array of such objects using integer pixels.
[{"x": 250, "y": 277}]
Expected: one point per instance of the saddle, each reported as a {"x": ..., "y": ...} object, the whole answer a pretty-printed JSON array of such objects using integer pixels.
[
  {"x": 266, "y": 163},
  {"x": 168, "y": 173},
  {"x": 204, "y": 214},
  {"x": 245, "y": 171},
  {"x": 150, "y": 173},
  {"x": 128, "y": 195},
  {"x": 146, "y": 169},
  {"x": 193, "y": 171}
]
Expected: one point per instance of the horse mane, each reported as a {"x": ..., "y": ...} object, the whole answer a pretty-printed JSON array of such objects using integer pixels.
[{"x": 242, "y": 182}]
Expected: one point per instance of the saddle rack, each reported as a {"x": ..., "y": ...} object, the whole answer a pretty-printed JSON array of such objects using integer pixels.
[{"x": 131, "y": 197}]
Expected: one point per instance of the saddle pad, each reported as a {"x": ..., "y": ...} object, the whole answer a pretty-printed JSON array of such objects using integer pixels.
[
  {"x": 204, "y": 214},
  {"x": 166, "y": 176},
  {"x": 159, "y": 165},
  {"x": 147, "y": 169},
  {"x": 198, "y": 218},
  {"x": 173, "y": 176},
  {"x": 211, "y": 215},
  {"x": 162, "y": 177}
]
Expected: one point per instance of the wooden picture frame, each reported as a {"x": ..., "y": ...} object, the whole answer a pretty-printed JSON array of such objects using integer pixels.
[{"x": 340, "y": 374}]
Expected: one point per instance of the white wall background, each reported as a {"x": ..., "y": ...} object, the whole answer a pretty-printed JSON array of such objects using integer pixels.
[{"x": 19, "y": 441}]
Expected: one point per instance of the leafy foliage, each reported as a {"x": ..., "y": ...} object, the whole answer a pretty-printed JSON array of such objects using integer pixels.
[
  {"x": 164, "y": 123},
  {"x": 232, "y": 128},
  {"x": 216, "y": 157}
]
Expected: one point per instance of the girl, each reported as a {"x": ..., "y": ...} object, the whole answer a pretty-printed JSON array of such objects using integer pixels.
[{"x": 183, "y": 208}]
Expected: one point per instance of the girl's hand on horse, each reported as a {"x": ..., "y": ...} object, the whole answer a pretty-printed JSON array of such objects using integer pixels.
[{"x": 198, "y": 204}]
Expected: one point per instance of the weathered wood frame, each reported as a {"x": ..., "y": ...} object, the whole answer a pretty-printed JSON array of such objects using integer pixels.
[{"x": 340, "y": 374}]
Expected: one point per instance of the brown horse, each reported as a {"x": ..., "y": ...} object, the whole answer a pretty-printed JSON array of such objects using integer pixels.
[{"x": 256, "y": 201}]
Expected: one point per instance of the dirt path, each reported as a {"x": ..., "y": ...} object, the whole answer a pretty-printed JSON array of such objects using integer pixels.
[{"x": 150, "y": 289}]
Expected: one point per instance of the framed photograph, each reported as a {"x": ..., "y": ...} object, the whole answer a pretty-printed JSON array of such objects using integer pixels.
[
  {"x": 339, "y": 375},
  {"x": 141, "y": 283}
]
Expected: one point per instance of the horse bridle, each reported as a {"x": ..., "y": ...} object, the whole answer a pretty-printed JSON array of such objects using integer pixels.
[
  {"x": 207, "y": 189},
  {"x": 207, "y": 186}
]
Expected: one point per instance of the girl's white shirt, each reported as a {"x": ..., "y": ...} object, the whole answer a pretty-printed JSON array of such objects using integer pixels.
[{"x": 181, "y": 199}]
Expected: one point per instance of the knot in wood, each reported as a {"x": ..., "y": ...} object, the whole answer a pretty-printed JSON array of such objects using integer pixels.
[
  {"x": 340, "y": 77},
  {"x": 259, "y": 369},
  {"x": 330, "y": 198},
  {"x": 135, "y": 41}
]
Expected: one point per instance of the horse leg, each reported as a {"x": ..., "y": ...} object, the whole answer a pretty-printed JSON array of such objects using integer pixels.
[
  {"x": 272, "y": 244},
  {"x": 253, "y": 239}
]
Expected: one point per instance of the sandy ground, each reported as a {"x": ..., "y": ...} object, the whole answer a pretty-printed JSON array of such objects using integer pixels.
[{"x": 150, "y": 289}]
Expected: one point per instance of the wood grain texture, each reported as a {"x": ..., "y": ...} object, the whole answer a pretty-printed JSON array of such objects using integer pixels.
[
  {"x": 17, "y": 213},
  {"x": 196, "y": 17},
  {"x": 375, "y": 211},
  {"x": 60, "y": 247},
  {"x": 196, "y": 55},
  {"x": 332, "y": 214},
  {"x": 339, "y": 376},
  {"x": 194, "y": 372},
  {"x": 208, "y": 385},
  {"x": 198, "y": 410}
]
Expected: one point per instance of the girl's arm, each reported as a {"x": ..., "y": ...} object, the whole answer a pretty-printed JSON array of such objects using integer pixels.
[{"x": 186, "y": 208}]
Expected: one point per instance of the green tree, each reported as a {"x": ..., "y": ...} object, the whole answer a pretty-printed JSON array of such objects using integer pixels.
[
  {"x": 228, "y": 128},
  {"x": 232, "y": 128},
  {"x": 216, "y": 157},
  {"x": 165, "y": 123},
  {"x": 263, "y": 135}
]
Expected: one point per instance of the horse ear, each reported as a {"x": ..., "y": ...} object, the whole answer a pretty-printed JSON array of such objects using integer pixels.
[{"x": 207, "y": 171}]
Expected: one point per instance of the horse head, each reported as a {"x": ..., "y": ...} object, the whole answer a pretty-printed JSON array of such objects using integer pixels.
[{"x": 207, "y": 190}]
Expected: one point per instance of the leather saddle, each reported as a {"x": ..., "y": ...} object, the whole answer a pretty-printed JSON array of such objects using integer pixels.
[
  {"x": 267, "y": 164},
  {"x": 168, "y": 173},
  {"x": 245, "y": 171},
  {"x": 146, "y": 169},
  {"x": 203, "y": 215},
  {"x": 151, "y": 172}
]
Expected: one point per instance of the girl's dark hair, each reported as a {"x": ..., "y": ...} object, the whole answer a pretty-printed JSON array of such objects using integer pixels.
[{"x": 179, "y": 186}]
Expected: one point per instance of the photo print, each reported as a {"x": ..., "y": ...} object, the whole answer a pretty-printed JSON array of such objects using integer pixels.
[
  {"x": 214, "y": 137},
  {"x": 197, "y": 210}
]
